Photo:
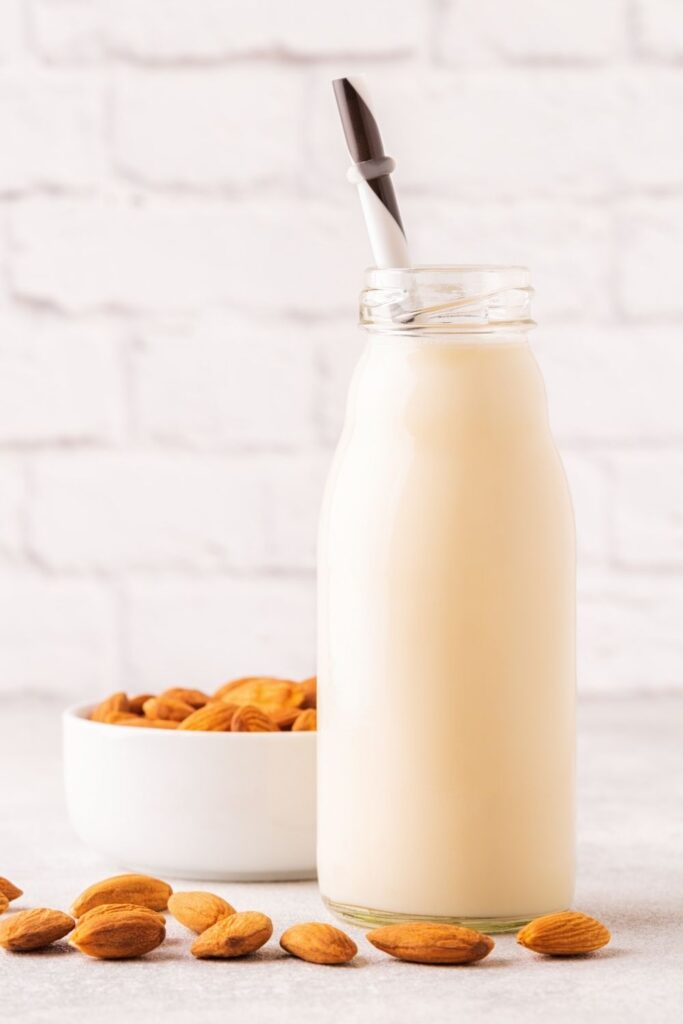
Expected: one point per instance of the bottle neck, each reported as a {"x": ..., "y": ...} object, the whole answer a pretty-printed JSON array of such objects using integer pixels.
[{"x": 454, "y": 301}]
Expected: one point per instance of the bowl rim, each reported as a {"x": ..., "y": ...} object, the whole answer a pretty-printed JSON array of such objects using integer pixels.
[{"x": 79, "y": 712}]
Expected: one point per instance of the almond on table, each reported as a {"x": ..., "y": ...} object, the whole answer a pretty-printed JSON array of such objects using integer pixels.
[
  {"x": 319, "y": 943},
  {"x": 233, "y": 936},
  {"x": 568, "y": 933},
  {"x": 9, "y": 890},
  {"x": 431, "y": 943},
  {"x": 141, "y": 890},
  {"x": 199, "y": 910},
  {"x": 118, "y": 933},
  {"x": 104, "y": 909},
  {"x": 4, "y": 903},
  {"x": 34, "y": 929}
]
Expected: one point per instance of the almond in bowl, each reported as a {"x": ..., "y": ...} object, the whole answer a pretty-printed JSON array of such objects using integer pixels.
[{"x": 150, "y": 784}]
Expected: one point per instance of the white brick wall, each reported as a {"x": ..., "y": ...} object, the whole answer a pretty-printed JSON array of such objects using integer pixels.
[{"x": 180, "y": 257}]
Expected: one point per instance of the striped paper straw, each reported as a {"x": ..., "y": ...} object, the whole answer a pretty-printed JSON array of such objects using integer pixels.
[{"x": 371, "y": 173}]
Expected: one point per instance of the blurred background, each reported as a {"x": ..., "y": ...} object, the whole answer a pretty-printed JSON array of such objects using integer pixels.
[{"x": 180, "y": 258}]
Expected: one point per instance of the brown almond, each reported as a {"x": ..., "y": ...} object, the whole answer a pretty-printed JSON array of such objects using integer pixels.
[
  {"x": 8, "y": 889},
  {"x": 310, "y": 688},
  {"x": 135, "y": 703},
  {"x": 116, "y": 702},
  {"x": 285, "y": 718},
  {"x": 264, "y": 693},
  {"x": 4, "y": 903},
  {"x": 307, "y": 721},
  {"x": 118, "y": 934},
  {"x": 213, "y": 717},
  {"x": 34, "y": 929},
  {"x": 199, "y": 910},
  {"x": 124, "y": 718},
  {"x": 104, "y": 909},
  {"x": 568, "y": 933},
  {"x": 252, "y": 719},
  {"x": 319, "y": 943},
  {"x": 167, "y": 709},
  {"x": 423, "y": 942},
  {"x": 141, "y": 890},
  {"x": 236, "y": 935},
  {"x": 195, "y": 698}
]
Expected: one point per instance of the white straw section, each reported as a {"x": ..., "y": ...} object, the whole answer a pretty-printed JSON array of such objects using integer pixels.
[{"x": 387, "y": 241}]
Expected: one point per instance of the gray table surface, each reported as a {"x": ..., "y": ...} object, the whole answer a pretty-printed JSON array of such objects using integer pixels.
[{"x": 630, "y": 876}]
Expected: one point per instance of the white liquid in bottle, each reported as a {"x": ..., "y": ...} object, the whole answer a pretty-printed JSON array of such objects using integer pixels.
[{"x": 447, "y": 652}]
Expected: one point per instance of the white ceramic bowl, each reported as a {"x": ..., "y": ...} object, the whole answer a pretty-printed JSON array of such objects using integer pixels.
[{"x": 209, "y": 805}]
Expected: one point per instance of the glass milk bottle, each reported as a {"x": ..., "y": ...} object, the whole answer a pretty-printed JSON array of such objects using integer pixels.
[{"x": 447, "y": 616}]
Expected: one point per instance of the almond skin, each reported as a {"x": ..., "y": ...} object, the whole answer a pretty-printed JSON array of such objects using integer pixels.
[
  {"x": 34, "y": 929},
  {"x": 107, "y": 908},
  {"x": 310, "y": 688},
  {"x": 141, "y": 890},
  {"x": 430, "y": 943},
  {"x": 196, "y": 698},
  {"x": 9, "y": 890},
  {"x": 199, "y": 910},
  {"x": 565, "y": 934},
  {"x": 265, "y": 693},
  {"x": 319, "y": 943},
  {"x": 214, "y": 717},
  {"x": 307, "y": 721},
  {"x": 167, "y": 708},
  {"x": 4, "y": 903},
  {"x": 285, "y": 718},
  {"x": 232, "y": 936},
  {"x": 125, "y": 718},
  {"x": 118, "y": 934},
  {"x": 252, "y": 719},
  {"x": 117, "y": 702},
  {"x": 135, "y": 703}
]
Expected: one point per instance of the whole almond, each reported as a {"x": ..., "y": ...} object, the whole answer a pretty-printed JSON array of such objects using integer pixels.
[
  {"x": 430, "y": 943},
  {"x": 34, "y": 929},
  {"x": 196, "y": 698},
  {"x": 141, "y": 890},
  {"x": 568, "y": 933},
  {"x": 135, "y": 703},
  {"x": 9, "y": 890},
  {"x": 139, "y": 721},
  {"x": 232, "y": 936},
  {"x": 213, "y": 717},
  {"x": 116, "y": 702},
  {"x": 285, "y": 718},
  {"x": 251, "y": 719},
  {"x": 306, "y": 721},
  {"x": 264, "y": 692},
  {"x": 167, "y": 708},
  {"x": 310, "y": 688},
  {"x": 199, "y": 910},
  {"x": 118, "y": 934},
  {"x": 104, "y": 909},
  {"x": 4, "y": 903},
  {"x": 319, "y": 943}
]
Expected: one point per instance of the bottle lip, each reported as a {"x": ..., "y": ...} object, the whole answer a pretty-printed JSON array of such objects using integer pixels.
[{"x": 458, "y": 298}]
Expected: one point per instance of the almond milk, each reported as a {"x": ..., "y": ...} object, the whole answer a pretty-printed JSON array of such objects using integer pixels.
[{"x": 446, "y": 634}]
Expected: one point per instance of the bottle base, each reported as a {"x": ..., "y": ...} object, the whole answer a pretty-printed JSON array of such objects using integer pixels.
[{"x": 366, "y": 917}]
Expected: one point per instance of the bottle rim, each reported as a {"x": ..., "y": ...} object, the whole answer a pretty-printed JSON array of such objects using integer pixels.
[{"x": 457, "y": 298}]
